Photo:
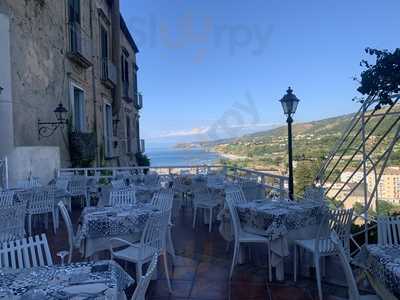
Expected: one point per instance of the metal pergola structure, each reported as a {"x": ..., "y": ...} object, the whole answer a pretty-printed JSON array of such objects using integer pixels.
[{"x": 365, "y": 147}]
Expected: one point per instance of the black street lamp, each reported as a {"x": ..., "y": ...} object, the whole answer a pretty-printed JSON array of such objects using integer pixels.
[{"x": 289, "y": 103}]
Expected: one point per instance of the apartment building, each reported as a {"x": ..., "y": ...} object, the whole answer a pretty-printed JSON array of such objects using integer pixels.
[
  {"x": 388, "y": 187},
  {"x": 77, "y": 53}
]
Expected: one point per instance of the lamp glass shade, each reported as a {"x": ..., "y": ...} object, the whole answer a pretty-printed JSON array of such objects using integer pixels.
[
  {"x": 60, "y": 111},
  {"x": 289, "y": 102}
]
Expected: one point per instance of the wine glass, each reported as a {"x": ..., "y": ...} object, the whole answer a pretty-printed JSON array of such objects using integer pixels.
[{"x": 62, "y": 255}]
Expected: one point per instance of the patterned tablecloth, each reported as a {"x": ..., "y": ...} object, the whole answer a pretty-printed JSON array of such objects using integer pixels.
[
  {"x": 103, "y": 278},
  {"x": 275, "y": 218},
  {"x": 383, "y": 263},
  {"x": 113, "y": 221}
]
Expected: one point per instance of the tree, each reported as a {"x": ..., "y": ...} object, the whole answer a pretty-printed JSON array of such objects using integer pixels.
[
  {"x": 304, "y": 175},
  {"x": 381, "y": 79}
]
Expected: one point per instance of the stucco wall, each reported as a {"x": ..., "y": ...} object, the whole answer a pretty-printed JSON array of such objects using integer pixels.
[
  {"x": 6, "y": 122},
  {"x": 39, "y": 162},
  {"x": 41, "y": 72}
]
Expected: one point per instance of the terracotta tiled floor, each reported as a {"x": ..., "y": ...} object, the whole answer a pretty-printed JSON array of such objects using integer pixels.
[{"x": 202, "y": 268}]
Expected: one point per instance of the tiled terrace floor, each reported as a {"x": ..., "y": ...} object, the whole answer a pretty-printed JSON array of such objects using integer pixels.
[{"x": 202, "y": 269}]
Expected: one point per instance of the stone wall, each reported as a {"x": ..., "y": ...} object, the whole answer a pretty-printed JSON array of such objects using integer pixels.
[{"x": 42, "y": 74}]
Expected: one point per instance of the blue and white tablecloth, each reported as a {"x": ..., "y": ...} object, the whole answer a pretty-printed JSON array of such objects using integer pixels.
[
  {"x": 383, "y": 263},
  {"x": 98, "y": 222},
  {"x": 275, "y": 219},
  {"x": 65, "y": 282}
]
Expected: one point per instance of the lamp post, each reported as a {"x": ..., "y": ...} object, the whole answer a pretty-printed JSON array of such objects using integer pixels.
[{"x": 289, "y": 104}]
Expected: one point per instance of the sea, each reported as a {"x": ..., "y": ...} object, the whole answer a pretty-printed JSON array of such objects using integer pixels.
[{"x": 168, "y": 155}]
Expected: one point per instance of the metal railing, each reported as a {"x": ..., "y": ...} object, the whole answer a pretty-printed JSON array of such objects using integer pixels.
[
  {"x": 276, "y": 183},
  {"x": 108, "y": 71},
  {"x": 80, "y": 44},
  {"x": 4, "y": 173}
]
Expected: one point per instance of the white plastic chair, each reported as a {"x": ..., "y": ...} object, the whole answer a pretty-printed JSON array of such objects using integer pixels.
[
  {"x": 203, "y": 200},
  {"x": 241, "y": 236},
  {"x": 235, "y": 193},
  {"x": 163, "y": 200},
  {"x": 151, "y": 242},
  {"x": 122, "y": 197},
  {"x": 77, "y": 187},
  {"x": 26, "y": 253},
  {"x": 314, "y": 193},
  {"x": 6, "y": 198},
  {"x": 182, "y": 189},
  {"x": 351, "y": 282},
  {"x": 72, "y": 241},
  {"x": 336, "y": 220},
  {"x": 62, "y": 184},
  {"x": 29, "y": 183},
  {"x": 12, "y": 221},
  {"x": 41, "y": 204},
  {"x": 118, "y": 184},
  {"x": 253, "y": 190},
  {"x": 144, "y": 281},
  {"x": 151, "y": 179},
  {"x": 388, "y": 231}
]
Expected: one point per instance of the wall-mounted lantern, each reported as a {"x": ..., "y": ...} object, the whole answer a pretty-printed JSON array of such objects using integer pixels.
[{"x": 46, "y": 129}]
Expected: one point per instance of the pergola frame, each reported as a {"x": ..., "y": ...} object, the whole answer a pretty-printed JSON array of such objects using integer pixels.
[{"x": 359, "y": 138}]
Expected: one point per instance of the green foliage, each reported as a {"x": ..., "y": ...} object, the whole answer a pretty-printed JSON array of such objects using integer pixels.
[
  {"x": 382, "y": 78},
  {"x": 142, "y": 160},
  {"x": 385, "y": 208},
  {"x": 82, "y": 149},
  {"x": 304, "y": 175}
]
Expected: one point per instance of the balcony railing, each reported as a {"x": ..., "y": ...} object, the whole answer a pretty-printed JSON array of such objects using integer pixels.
[
  {"x": 80, "y": 45},
  {"x": 108, "y": 72},
  {"x": 272, "y": 183},
  {"x": 138, "y": 101}
]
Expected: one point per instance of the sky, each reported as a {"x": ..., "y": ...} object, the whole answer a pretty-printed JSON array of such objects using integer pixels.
[{"x": 222, "y": 65}]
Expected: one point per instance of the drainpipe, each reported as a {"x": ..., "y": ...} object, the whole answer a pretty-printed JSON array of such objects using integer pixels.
[
  {"x": 116, "y": 53},
  {"x": 94, "y": 88}
]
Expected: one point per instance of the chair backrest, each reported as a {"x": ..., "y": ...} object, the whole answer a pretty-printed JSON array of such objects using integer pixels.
[
  {"x": 351, "y": 282},
  {"x": 118, "y": 184},
  {"x": 29, "y": 183},
  {"x": 68, "y": 224},
  {"x": 314, "y": 193},
  {"x": 6, "y": 198},
  {"x": 338, "y": 221},
  {"x": 233, "y": 198},
  {"x": 26, "y": 253},
  {"x": 122, "y": 197},
  {"x": 388, "y": 230},
  {"x": 151, "y": 179},
  {"x": 154, "y": 234},
  {"x": 77, "y": 186},
  {"x": 163, "y": 199},
  {"x": 235, "y": 193},
  {"x": 253, "y": 190},
  {"x": 62, "y": 184},
  {"x": 144, "y": 281},
  {"x": 12, "y": 221},
  {"x": 41, "y": 201}
]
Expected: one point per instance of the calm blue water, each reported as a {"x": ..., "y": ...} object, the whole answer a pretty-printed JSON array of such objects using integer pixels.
[{"x": 170, "y": 156}]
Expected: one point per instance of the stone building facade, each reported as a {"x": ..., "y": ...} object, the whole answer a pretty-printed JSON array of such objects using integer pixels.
[{"x": 78, "y": 53}]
